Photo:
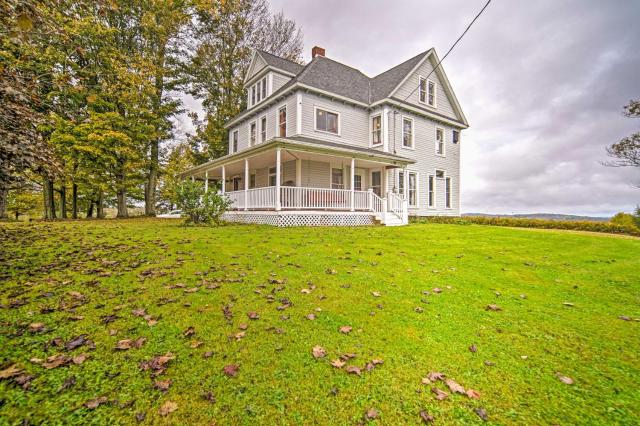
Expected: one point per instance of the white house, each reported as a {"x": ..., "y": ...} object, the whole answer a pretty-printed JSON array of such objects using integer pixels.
[{"x": 323, "y": 144}]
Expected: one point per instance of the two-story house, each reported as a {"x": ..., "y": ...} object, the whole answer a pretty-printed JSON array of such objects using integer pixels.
[{"x": 324, "y": 144}]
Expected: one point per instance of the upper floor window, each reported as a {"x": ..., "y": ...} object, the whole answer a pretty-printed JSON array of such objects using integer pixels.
[
  {"x": 264, "y": 88},
  {"x": 431, "y": 93},
  {"x": 252, "y": 133},
  {"x": 455, "y": 137},
  {"x": 234, "y": 142},
  {"x": 440, "y": 141},
  {"x": 253, "y": 96},
  {"x": 263, "y": 129},
  {"x": 376, "y": 130},
  {"x": 422, "y": 90},
  {"x": 282, "y": 122},
  {"x": 258, "y": 92},
  {"x": 407, "y": 132},
  {"x": 327, "y": 121}
]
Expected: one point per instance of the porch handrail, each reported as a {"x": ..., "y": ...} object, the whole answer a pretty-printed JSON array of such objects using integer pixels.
[{"x": 395, "y": 204}]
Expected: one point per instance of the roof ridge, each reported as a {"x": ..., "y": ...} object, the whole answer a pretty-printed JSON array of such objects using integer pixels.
[
  {"x": 279, "y": 57},
  {"x": 403, "y": 62}
]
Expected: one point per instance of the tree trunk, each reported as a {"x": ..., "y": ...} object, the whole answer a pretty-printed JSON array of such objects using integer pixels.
[
  {"x": 4, "y": 194},
  {"x": 50, "y": 202},
  {"x": 100, "y": 205},
  {"x": 63, "y": 201},
  {"x": 121, "y": 192},
  {"x": 74, "y": 201},
  {"x": 90, "y": 209},
  {"x": 154, "y": 160}
]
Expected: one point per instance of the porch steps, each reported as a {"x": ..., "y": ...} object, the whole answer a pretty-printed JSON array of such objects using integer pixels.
[{"x": 389, "y": 220}]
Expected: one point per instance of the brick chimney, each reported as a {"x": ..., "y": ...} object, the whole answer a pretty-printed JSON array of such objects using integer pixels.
[{"x": 317, "y": 51}]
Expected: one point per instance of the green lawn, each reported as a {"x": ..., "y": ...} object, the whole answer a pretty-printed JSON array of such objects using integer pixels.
[{"x": 561, "y": 295}]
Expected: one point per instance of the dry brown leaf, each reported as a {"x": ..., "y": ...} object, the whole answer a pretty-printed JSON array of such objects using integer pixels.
[
  {"x": 493, "y": 307},
  {"x": 371, "y": 414},
  {"x": 426, "y": 417},
  {"x": 345, "y": 329},
  {"x": 318, "y": 352},
  {"x": 195, "y": 344},
  {"x": 564, "y": 379},
  {"x": 79, "y": 359},
  {"x": 36, "y": 327},
  {"x": 352, "y": 369},
  {"x": 440, "y": 394},
  {"x": 231, "y": 370},
  {"x": 454, "y": 387},
  {"x": 168, "y": 407},
  {"x": 253, "y": 315},
  {"x": 95, "y": 403},
  {"x": 55, "y": 361},
  {"x": 189, "y": 332},
  {"x": 162, "y": 385},
  {"x": 473, "y": 394},
  {"x": 11, "y": 371},
  {"x": 337, "y": 363},
  {"x": 435, "y": 375}
]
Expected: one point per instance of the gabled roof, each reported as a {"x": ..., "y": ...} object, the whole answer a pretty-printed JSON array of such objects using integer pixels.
[
  {"x": 331, "y": 76},
  {"x": 280, "y": 63},
  {"x": 384, "y": 84}
]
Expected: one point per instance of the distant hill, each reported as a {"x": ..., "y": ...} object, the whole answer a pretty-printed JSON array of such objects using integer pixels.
[{"x": 547, "y": 216}]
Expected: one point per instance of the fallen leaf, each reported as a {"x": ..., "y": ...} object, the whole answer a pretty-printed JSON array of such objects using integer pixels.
[
  {"x": 493, "y": 307},
  {"x": 377, "y": 361},
  {"x": 419, "y": 310},
  {"x": 157, "y": 364},
  {"x": 434, "y": 375},
  {"x": 482, "y": 413},
  {"x": 139, "y": 312},
  {"x": 489, "y": 363},
  {"x": 243, "y": 326},
  {"x": 426, "y": 417},
  {"x": 338, "y": 363},
  {"x": 375, "y": 293},
  {"x": 95, "y": 403},
  {"x": 352, "y": 369},
  {"x": 168, "y": 407},
  {"x": 331, "y": 271},
  {"x": 454, "y": 387},
  {"x": 113, "y": 332},
  {"x": 624, "y": 318},
  {"x": 569, "y": 304},
  {"x": 440, "y": 394},
  {"x": 36, "y": 327},
  {"x": 11, "y": 371},
  {"x": 311, "y": 317},
  {"x": 79, "y": 359},
  {"x": 473, "y": 348},
  {"x": 207, "y": 354},
  {"x": 76, "y": 342},
  {"x": 371, "y": 414},
  {"x": 189, "y": 332},
  {"x": 231, "y": 370},
  {"x": 162, "y": 385},
  {"x": 345, "y": 329},
  {"x": 437, "y": 290},
  {"x": 564, "y": 379},
  {"x": 195, "y": 344},
  {"x": 55, "y": 361},
  {"x": 191, "y": 290},
  {"x": 253, "y": 315},
  {"x": 319, "y": 352},
  {"x": 473, "y": 394}
]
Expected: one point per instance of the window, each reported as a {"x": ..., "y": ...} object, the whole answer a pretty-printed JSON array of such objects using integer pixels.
[
  {"x": 234, "y": 143},
  {"x": 422, "y": 90},
  {"x": 264, "y": 88},
  {"x": 326, "y": 121},
  {"x": 407, "y": 133},
  {"x": 337, "y": 178},
  {"x": 431, "y": 190},
  {"x": 431, "y": 93},
  {"x": 439, "y": 174},
  {"x": 258, "y": 91},
  {"x": 401, "y": 183},
  {"x": 440, "y": 141},
  {"x": 455, "y": 136},
  {"x": 252, "y": 134},
  {"x": 252, "y": 180},
  {"x": 376, "y": 130},
  {"x": 236, "y": 183},
  {"x": 253, "y": 95},
  {"x": 282, "y": 122},
  {"x": 412, "y": 188},
  {"x": 263, "y": 129},
  {"x": 376, "y": 183},
  {"x": 272, "y": 176},
  {"x": 357, "y": 182},
  {"x": 447, "y": 192}
]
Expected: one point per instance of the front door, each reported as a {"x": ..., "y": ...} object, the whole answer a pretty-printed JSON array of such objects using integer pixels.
[{"x": 376, "y": 183}]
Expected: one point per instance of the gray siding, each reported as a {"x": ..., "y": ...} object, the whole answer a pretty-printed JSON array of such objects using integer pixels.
[
  {"x": 409, "y": 91},
  {"x": 278, "y": 81}
]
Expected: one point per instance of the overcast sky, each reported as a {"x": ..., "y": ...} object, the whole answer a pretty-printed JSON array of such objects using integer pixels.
[{"x": 542, "y": 84}]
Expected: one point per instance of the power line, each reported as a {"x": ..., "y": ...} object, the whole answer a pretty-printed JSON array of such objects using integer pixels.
[{"x": 450, "y": 49}]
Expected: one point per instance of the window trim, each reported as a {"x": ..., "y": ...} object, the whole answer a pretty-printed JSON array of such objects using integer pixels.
[
  {"x": 382, "y": 188},
  {"x": 286, "y": 118},
  {"x": 448, "y": 193},
  {"x": 315, "y": 120},
  {"x": 398, "y": 180},
  {"x": 431, "y": 178},
  {"x": 269, "y": 174},
  {"x": 337, "y": 167},
  {"x": 417, "y": 189},
  {"x": 263, "y": 129},
  {"x": 435, "y": 93},
  {"x": 426, "y": 90},
  {"x": 265, "y": 92},
  {"x": 235, "y": 137},
  {"x": 444, "y": 142},
  {"x": 371, "y": 118},
  {"x": 255, "y": 141},
  {"x": 413, "y": 133}
]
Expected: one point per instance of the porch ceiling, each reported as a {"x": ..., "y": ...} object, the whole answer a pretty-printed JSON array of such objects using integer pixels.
[{"x": 264, "y": 155}]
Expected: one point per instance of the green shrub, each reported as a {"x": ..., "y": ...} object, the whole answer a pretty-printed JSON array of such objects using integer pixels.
[
  {"x": 606, "y": 227},
  {"x": 636, "y": 216},
  {"x": 199, "y": 206},
  {"x": 624, "y": 219}
]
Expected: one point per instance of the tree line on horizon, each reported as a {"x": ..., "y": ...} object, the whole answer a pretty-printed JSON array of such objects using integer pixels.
[{"x": 90, "y": 91}]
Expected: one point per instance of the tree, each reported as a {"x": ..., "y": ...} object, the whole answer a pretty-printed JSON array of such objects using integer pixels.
[
  {"x": 179, "y": 159},
  {"x": 626, "y": 152},
  {"x": 23, "y": 200},
  {"x": 227, "y": 32}
]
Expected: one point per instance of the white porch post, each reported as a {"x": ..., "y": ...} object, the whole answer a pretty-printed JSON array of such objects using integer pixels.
[
  {"x": 298, "y": 183},
  {"x": 246, "y": 183},
  {"x": 353, "y": 184},
  {"x": 206, "y": 180},
  {"x": 224, "y": 178},
  {"x": 278, "y": 205}
]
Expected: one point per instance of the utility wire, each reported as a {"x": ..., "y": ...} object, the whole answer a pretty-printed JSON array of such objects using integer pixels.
[{"x": 450, "y": 49}]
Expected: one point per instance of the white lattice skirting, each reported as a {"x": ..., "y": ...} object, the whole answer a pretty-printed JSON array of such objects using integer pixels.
[{"x": 300, "y": 218}]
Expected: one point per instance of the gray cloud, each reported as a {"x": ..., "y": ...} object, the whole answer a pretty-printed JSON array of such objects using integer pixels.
[{"x": 542, "y": 84}]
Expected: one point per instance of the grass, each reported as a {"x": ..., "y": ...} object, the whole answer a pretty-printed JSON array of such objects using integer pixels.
[{"x": 529, "y": 275}]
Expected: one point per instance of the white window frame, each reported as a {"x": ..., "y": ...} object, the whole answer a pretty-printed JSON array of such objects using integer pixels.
[
  {"x": 258, "y": 91},
  {"x": 255, "y": 141},
  {"x": 435, "y": 93},
  {"x": 286, "y": 118},
  {"x": 431, "y": 201},
  {"x": 265, "y": 91},
  {"x": 235, "y": 137},
  {"x": 417, "y": 188},
  {"x": 371, "y": 130},
  {"x": 252, "y": 95},
  {"x": 444, "y": 142},
  {"x": 382, "y": 188},
  {"x": 413, "y": 133},
  {"x": 263, "y": 129},
  {"x": 420, "y": 91},
  {"x": 315, "y": 120},
  {"x": 448, "y": 203},
  {"x": 269, "y": 174},
  {"x": 400, "y": 181},
  {"x": 337, "y": 167}
]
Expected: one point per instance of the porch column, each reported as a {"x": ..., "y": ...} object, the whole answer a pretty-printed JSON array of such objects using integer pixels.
[
  {"x": 278, "y": 205},
  {"x": 246, "y": 183},
  {"x": 298, "y": 183},
  {"x": 353, "y": 184},
  {"x": 206, "y": 181},
  {"x": 224, "y": 178}
]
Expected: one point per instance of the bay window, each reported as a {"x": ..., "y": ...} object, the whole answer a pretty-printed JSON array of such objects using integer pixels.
[{"x": 376, "y": 130}]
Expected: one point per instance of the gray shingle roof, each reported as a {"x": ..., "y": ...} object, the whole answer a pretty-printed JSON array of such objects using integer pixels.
[
  {"x": 281, "y": 63},
  {"x": 383, "y": 84}
]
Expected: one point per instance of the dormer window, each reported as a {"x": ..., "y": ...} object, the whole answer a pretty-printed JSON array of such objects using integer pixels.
[{"x": 258, "y": 92}]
